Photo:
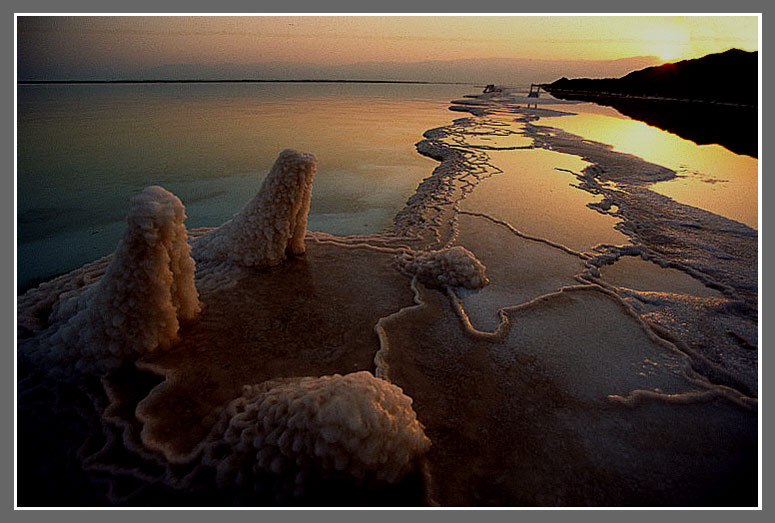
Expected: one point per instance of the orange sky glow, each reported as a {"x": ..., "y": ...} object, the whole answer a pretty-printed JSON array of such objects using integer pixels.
[{"x": 333, "y": 40}]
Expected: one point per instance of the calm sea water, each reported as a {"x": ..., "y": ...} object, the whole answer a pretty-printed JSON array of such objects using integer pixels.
[{"x": 85, "y": 150}]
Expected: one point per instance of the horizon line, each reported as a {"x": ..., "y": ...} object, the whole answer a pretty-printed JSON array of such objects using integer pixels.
[{"x": 245, "y": 80}]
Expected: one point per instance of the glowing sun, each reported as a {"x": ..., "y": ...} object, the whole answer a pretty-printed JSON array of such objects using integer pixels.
[
  {"x": 668, "y": 50},
  {"x": 669, "y": 42}
]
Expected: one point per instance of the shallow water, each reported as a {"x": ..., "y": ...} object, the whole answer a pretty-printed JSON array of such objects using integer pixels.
[
  {"x": 639, "y": 274},
  {"x": 709, "y": 176},
  {"x": 519, "y": 269},
  {"x": 538, "y": 197}
]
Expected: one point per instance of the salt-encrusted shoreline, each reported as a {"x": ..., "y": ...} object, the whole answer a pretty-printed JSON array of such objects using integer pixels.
[
  {"x": 717, "y": 251},
  {"x": 357, "y": 353}
]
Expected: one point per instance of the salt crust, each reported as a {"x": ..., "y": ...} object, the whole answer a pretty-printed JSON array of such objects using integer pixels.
[
  {"x": 453, "y": 267},
  {"x": 272, "y": 224},
  {"x": 355, "y": 427},
  {"x": 138, "y": 305}
]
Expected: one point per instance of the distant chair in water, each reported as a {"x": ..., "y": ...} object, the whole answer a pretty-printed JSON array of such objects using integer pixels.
[
  {"x": 490, "y": 88},
  {"x": 534, "y": 93}
]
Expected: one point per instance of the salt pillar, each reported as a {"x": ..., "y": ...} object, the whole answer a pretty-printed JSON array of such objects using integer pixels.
[
  {"x": 146, "y": 292},
  {"x": 273, "y": 223}
]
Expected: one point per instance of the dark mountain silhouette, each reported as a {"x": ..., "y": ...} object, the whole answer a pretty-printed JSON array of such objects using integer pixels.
[
  {"x": 708, "y": 100},
  {"x": 728, "y": 77}
]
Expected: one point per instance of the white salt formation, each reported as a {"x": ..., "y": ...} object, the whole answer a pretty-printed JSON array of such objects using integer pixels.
[
  {"x": 137, "y": 306},
  {"x": 454, "y": 267},
  {"x": 354, "y": 427},
  {"x": 273, "y": 223}
]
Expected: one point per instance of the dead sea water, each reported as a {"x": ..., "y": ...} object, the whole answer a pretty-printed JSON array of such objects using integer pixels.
[
  {"x": 610, "y": 360},
  {"x": 85, "y": 150}
]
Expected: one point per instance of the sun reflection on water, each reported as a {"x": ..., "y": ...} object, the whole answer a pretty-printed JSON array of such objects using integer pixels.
[{"x": 709, "y": 176}]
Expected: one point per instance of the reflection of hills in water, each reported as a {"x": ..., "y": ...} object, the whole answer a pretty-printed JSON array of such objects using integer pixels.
[
  {"x": 733, "y": 127},
  {"x": 708, "y": 100}
]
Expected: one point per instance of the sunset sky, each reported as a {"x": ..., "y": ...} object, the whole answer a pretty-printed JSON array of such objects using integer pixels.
[{"x": 71, "y": 47}]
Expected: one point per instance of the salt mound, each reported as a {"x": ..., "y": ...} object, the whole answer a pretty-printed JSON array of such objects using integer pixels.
[
  {"x": 354, "y": 427},
  {"x": 137, "y": 306},
  {"x": 454, "y": 267},
  {"x": 273, "y": 223}
]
